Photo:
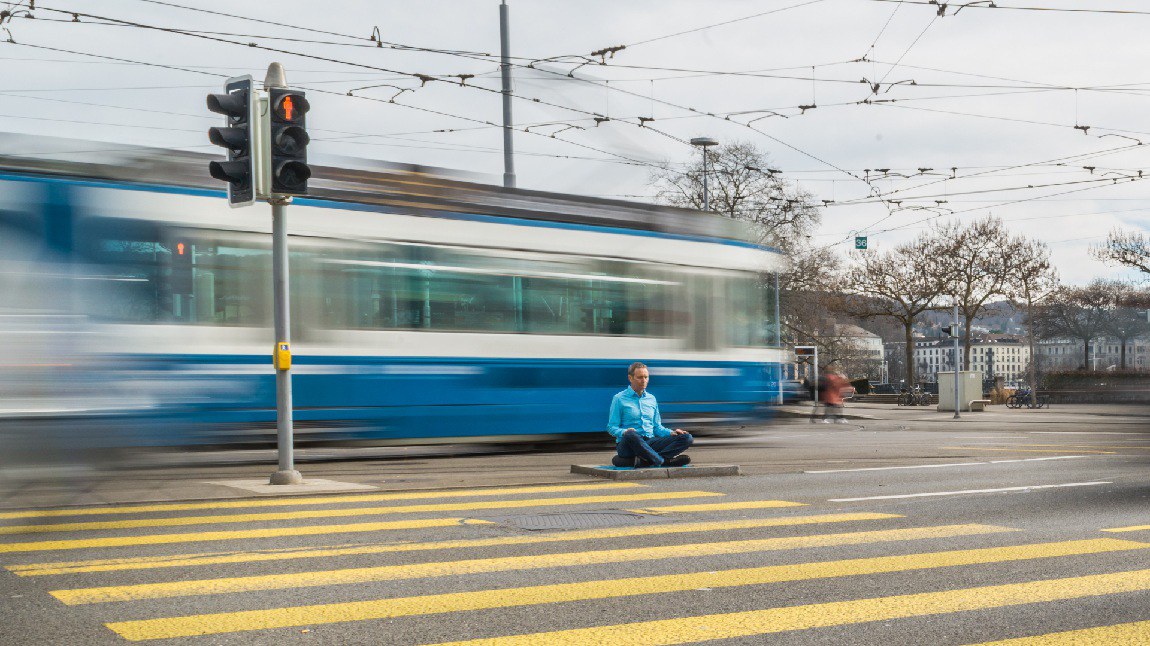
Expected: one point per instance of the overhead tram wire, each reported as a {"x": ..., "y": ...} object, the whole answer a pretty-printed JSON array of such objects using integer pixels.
[
  {"x": 184, "y": 32},
  {"x": 891, "y": 213},
  {"x": 449, "y": 78},
  {"x": 720, "y": 24},
  {"x": 389, "y": 44},
  {"x": 995, "y": 169},
  {"x": 340, "y": 94},
  {"x": 913, "y": 198},
  {"x": 997, "y": 6},
  {"x": 306, "y": 41},
  {"x": 1021, "y": 201},
  {"x": 907, "y": 50},
  {"x": 911, "y": 225},
  {"x": 350, "y": 135},
  {"x": 839, "y": 234},
  {"x": 886, "y": 197},
  {"x": 424, "y": 79},
  {"x": 1011, "y": 119},
  {"x": 492, "y": 57}
]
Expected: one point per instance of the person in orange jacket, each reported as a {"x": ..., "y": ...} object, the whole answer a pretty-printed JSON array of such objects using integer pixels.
[{"x": 831, "y": 386}]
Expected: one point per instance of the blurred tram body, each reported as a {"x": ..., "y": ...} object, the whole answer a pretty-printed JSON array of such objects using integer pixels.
[{"x": 422, "y": 308}]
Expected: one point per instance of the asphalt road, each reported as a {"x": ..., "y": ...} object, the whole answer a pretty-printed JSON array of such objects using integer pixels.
[{"x": 910, "y": 528}]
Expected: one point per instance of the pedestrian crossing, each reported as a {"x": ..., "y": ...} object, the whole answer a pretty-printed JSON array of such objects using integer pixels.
[{"x": 447, "y": 560}]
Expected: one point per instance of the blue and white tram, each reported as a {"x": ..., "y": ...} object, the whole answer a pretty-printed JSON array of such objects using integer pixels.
[{"x": 421, "y": 307}]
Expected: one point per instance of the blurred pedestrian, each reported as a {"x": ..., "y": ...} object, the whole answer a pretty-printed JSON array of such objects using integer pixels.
[
  {"x": 818, "y": 409},
  {"x": 833, "y": 385}
]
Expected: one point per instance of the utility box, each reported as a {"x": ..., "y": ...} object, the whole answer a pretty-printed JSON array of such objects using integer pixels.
[{"x": 969, "y": 389}]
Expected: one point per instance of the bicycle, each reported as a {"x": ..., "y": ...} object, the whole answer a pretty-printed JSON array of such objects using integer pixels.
[
  {"x": 916, "y": 397},
  {"x": 1022, "y": 397}
]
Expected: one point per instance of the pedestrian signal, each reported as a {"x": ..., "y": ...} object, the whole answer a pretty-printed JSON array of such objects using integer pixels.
[{"x": 289, "y": 139}]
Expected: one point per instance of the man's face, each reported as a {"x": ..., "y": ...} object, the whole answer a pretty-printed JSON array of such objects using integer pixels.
[{"x": 639, "y": 380}]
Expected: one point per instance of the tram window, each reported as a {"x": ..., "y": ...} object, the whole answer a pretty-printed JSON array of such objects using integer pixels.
[
  {"x": 143, "y": 274},
  {"x": 750, "y": 317},
  {"x": 397, "y": 287},
  {"x": 128, "y": 272},
  {"x": 232, "y": 283}
]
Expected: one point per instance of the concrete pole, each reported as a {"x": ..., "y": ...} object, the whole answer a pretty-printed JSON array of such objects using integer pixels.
[
  {"x": 505, "y": 72},
  {"x": 706, "y": 195},
  {"x": 957, "y": 367},
  {"x": 816, "y": 381},
  {"x": 778, "y": 335},
  {"x": 284, "y": 433}
]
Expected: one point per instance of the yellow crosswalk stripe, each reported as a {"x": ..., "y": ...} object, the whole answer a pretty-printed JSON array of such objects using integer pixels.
[
  {"x": 722, "y": 506},
  {"x": 1137, "y": 632},
  {"x": 185, "y": 560},
  {"x": 243, "y": 534},
  {"x": 472, "y": 566},
  {"x": 229, "y": 622},
  {"x": 839, "y": 613},
  {"x": 1131, "y": 528},
  {"x": 355, "y": 511},
  {"x": 310, "y": 500}
]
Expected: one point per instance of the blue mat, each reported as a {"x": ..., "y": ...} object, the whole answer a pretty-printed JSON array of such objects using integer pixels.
[{"x": 611, "y": 467}]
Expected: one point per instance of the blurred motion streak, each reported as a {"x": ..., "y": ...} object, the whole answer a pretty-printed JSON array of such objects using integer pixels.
[{"x": 137, "y": 309}]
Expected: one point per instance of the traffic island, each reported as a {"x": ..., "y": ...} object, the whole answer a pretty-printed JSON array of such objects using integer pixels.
[{"x": 627, "y": 473}]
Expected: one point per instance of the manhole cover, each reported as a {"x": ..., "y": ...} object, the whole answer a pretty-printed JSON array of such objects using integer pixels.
[{"x": 576, "y": 520}]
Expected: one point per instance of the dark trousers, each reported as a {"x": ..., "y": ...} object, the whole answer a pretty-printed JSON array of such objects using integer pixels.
[{"x": 654, "y": 450}]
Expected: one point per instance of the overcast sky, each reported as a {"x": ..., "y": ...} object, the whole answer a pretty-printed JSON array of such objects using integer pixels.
[{"x": 1007, "y": 107}]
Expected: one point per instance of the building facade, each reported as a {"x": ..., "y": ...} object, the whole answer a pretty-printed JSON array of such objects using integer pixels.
[
  {"x": 1104, "y": 354},
  {"x": 995, "y": 355}
]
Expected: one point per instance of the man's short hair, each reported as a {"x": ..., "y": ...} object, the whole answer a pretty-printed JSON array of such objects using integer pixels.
[{"x": 635, "y": 366}]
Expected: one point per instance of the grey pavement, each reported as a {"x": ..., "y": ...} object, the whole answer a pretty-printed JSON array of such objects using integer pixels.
[
  {"x": 985, "y": 528},
  {"x": 789, "y": 444}
]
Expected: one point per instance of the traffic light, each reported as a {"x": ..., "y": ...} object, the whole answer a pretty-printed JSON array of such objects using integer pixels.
[
  {"x": 950, "y": 330},
  {"x": 288, "y": 140},
  {"x": 239, "y": 104},
  {"x": 181, "y": 280}
]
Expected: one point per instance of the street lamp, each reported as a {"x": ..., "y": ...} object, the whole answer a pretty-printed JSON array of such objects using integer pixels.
[{"x": 704, "y": 143}]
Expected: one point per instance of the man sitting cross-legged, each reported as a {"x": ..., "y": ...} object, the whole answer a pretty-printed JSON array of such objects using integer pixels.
[{"x": 641, "y": 439}]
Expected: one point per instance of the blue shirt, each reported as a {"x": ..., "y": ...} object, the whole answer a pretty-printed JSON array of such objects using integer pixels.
[{"x": 630, "y": 410}]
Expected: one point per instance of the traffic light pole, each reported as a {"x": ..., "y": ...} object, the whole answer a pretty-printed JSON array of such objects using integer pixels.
[
  {"x": 957, "y": 363},
  {"x": 284, "y": 432},
  {"x": 266, "y": 136}
]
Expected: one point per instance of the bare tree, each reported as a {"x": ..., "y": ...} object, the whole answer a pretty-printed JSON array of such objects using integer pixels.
[
  {"x": 1125, "y": 248},
  {"x": 977, "y": 259},
  {"x": 901, "y": 284},
  {"x": 1033, "y": 279},
  {"x": 744, "y": 187},
  {"x": 1073, "y": 312},
  {"x": 1121, "y": 318},
  {"x": 807, "y": 293}
]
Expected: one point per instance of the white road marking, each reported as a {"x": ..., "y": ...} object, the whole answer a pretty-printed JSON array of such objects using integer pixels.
[
  {"x": 916, "y": 466},
  {"x": 1082, "y": 433},
  {"x": 1057, "y": 457},
  {"x": 952, "y": 464},
  {"x": 958, "y": 493}
]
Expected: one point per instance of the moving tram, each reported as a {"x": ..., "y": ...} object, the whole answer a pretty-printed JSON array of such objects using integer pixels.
[{"x": 138, "y": 307}]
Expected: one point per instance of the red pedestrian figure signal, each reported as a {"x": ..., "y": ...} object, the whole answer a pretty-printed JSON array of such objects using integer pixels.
[
  {"x": 180, "y": 249},
  {"x": 288, "y": 108},
  {"x": 288, "y": 141}
]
